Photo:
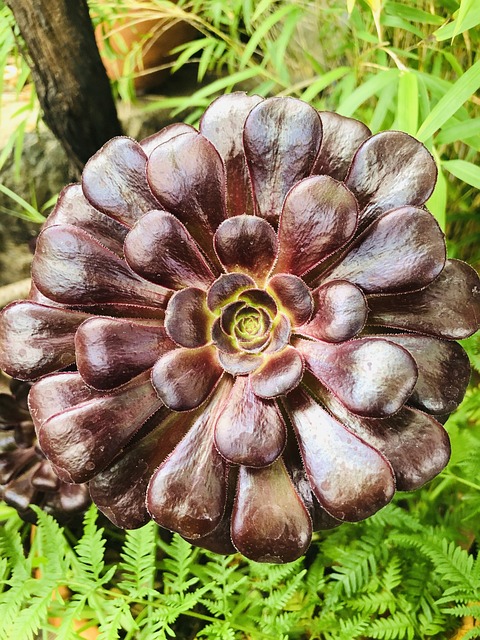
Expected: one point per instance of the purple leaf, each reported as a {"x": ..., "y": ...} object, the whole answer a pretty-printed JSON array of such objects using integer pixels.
[
  {"x": 247, "y": 244},
  {"x": 110, "y": 351},
  {"x": 187, "y": 175},
  {"x": 184, "y": 378},
  {"x": 279, "y": 373},
  {"x": 222, "y": 123},
  {"x": 249, "y": 430},
  {"x": 448, "y": 308},
  {"x": 114, "y": 181},
  {"x": 187, "y": 493},
  {"x": 281, "y": 138},
  {"x": 341, "y": 138},
  {"x": 408, "y": 237},
  {"x": 36, "y": 339},
  {"x": 351, "y": 480},
  {"x": 188, "y": 320},
  {"x": 269, "y": 522},
  {"x": 370, "y": 376},
  {"x": 340, "y": 312},
  {"x": 160, "y": 249},
  {"x": 391, "y": 169},
  {"x": 319, "y": 216},
  {"x": 71, "y": 267},
  {"x": 293, "y": 296}
]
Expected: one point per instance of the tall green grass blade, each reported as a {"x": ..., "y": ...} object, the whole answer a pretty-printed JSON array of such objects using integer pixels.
[
  {"x": 463, "y": 170},
  {"x": 262, "y": 31},
  {"x": 31, "y": 213},
  {"x": 466, "y": 7},
  {"x": 470, "y": 21},
  {"x": 459, "y": 131},
  {"x": 367, "y": 90},
  {"x": 412, "y": 13},
  {"x": 407, "y": 102},
  {"x": 437, "y": 203},
  {"x": 451, "y": 102},
  {"x": 323, "y": 82}
]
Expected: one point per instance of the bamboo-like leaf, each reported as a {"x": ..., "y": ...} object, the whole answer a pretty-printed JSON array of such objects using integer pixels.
[
  {"x": 350, "y": 5},
  {"x": 437, "y": 203},
  {"x": 463, "y": 170},
  {"x": 451, "y": 102},
  {"x": 466, "y": 7},
  {"x": 471, "y": 20},
  {"x": 323, "y": 82},
  {"x": 31, "y": 212},
  {"x": 459, "y": 131},
  {"x": 262, "y": 31},
  {"x": 371, "y": 87},
  {"x": 413, "y": 13},
  {"x": 407, "y": 102}
]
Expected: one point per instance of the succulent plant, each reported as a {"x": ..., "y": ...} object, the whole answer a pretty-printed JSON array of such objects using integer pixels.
[
  {"x": 263, "y": 322},
  {"x": 26, "y": 476}
]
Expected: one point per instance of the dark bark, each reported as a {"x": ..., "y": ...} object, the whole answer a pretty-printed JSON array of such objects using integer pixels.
[{"x": 71, "y": 82}]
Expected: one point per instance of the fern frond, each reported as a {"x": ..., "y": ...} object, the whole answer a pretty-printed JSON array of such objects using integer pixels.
[
  {"x": 117, "y": 617},
  {"x": 90, "y": 548},
  {"x": 138, "y": 560},
  {"x": 396, "y": 626}
]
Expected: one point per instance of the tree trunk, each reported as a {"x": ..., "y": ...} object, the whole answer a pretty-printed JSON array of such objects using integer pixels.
[{"x": 71, "y": 82}]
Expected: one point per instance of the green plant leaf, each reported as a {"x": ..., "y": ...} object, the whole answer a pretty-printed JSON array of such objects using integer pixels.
[
  {"x": 437, "y": 203},
  {"x": 459, "y": 131},
  {"x": 451, "y": 102},
  {"x": 31, "y": 213},
  {"x": 466, "y": 7},
  {"x": 471, "y": 20},
  {"x": 364, "y": 92},
  {"x": 463, "y": 170},
  {"x": 323, "y": 82},
  {"x": 407, "y": 102}
]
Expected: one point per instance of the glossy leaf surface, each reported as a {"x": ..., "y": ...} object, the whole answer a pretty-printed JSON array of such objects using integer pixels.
[
  {"x": 319, "y": 216},
  {"x": 269, "y": 521},
  {"x": 341, "y": 138},
  {"x": 370, "y": 376},
  {"x": 187, "y": 176},
  {"x": 71, "y": 267},
  {"x": 448, "y": 308},
  {"x": 247, "y": 244},
  {"x": 161, "y": 250},
  {"x": 222, "y": 123},
  {"x": 293, "y": 296},
  {"x": 408, "y": 237},
  {"x": 280, "y": 373},
  {"x": 350, "y": 479},
  {"x": 84, "y": 438},
  {"x": 114, "y": 182},
  {"x": 340, "y": 312},
  {"x": 40, "y": 339},
  {"x": 187, "y": 492},
  {"x": 110, "y": 351},
  {"x": 281, "y": 138},
  {"x": 391, "y": 169},
  {"x": 184, "y": 378},
  {"x": 188, "y": 319},
  {"x": 249, "y": 430}
]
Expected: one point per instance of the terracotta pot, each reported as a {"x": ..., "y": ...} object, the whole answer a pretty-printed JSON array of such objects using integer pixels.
[{"x": 159, "y": 37}]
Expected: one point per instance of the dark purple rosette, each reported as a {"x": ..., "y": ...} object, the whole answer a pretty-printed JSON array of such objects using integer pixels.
[
  {"x": 262, "y": 319},
  {"x": 26, "y": 476}
]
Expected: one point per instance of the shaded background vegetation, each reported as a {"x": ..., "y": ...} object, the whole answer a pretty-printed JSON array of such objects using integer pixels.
[{"x": 412, "y": 571}]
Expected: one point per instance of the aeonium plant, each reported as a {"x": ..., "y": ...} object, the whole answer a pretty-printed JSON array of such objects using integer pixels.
[
  {"x": 26, "y": 476},
  {"x": 263, "y": 323}
]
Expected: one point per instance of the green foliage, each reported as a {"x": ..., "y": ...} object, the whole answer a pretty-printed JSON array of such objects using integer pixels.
[{"x": 412, "y": 571}]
